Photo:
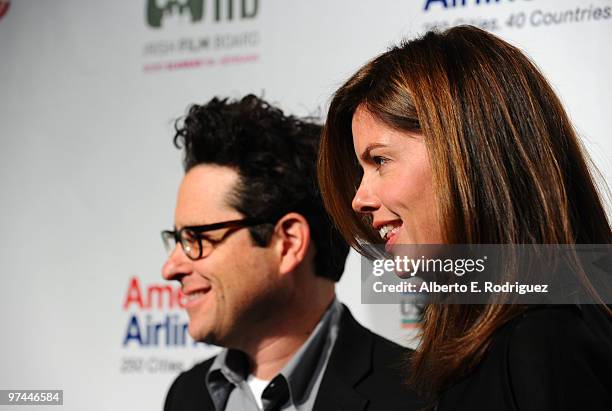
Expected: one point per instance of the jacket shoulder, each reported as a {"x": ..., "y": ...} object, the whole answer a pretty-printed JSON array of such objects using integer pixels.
[
  {"x": 383, "y": 349},
  {"x": 188, "y": 391},
  {"x": 559, "y": 358},
  {"x": 382, "y": 367},
  {"x": 547, "y": 358},
  {"x": 390, "y": 363},
  {"x": 387, "y": 351}
]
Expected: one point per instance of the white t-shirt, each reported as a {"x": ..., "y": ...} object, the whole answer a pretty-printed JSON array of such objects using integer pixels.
[{"x": 257, "y": 387}]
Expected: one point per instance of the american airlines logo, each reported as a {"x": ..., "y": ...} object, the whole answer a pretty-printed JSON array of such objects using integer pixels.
[{"x": 452, "y": 4}]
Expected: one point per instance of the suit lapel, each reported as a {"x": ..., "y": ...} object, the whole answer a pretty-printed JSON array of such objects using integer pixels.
[{"x": 349, "y": 363}]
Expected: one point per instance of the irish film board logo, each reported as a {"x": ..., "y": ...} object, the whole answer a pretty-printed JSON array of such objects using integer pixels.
[
  {"x": 4, "y": 6},
  {"x": 156, "y": 12},
  {"x": 159, "y": 11}
]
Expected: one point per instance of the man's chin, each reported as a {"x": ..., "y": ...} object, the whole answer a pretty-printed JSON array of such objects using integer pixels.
[{"x": 200, "y": 335}]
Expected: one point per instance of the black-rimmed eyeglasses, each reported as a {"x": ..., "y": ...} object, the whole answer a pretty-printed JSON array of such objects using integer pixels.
[{"x": 198, "y": 245}]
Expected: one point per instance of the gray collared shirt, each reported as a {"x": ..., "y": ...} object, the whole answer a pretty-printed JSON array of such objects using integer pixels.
[{"x": 293, "y": 389}]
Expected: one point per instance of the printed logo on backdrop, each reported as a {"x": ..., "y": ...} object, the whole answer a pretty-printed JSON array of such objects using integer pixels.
[
  {"x": 449, "y": 4},
  {"x": 155, "y": 330},
  {"x": 4, "y": 7},
  {"x": 411, "y": 315},
  {"x": 496, "y": 15},
  {"x": 156, "y": 13},
  {"x": 198, "y": 34}
]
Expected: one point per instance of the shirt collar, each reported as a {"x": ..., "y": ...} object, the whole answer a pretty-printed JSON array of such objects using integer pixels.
[
  {"x": 232, "y": 366},
  {"x": 299, "y": 370}
]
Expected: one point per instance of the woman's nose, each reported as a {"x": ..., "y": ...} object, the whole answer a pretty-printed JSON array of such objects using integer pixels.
[{"x": 365, "y": 201}]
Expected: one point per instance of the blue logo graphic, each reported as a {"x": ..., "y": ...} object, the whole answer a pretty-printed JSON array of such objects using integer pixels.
[{"x": 451, "y": 4}]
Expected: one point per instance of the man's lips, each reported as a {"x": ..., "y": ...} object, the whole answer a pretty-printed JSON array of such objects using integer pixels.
[{"x": 194, "y": 295}]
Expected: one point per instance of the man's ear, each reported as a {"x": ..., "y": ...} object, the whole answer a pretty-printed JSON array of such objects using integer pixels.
[{"x": 292, "y": 234}]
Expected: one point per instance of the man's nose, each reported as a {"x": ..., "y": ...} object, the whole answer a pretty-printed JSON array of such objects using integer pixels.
[
  {"x": 365, "y": 201},
  {"x": 176, "y": 265}
]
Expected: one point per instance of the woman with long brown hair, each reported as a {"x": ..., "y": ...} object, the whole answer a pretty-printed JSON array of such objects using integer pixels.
[{"x": 457, "y": 138}]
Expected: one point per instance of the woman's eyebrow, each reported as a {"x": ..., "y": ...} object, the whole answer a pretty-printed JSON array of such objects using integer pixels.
[{"x": 366, "y": 153}]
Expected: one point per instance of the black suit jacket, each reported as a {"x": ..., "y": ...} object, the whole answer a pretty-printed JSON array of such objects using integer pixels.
[
  {"x": 364, "y": 372},
  {"x": 550, "y": 358}
]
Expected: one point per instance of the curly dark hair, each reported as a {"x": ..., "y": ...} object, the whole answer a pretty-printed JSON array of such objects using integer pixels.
[{"x": 275, "y": 157}]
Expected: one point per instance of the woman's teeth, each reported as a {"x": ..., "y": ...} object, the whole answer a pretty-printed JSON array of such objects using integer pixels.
[{"x": 388, "y": 229}]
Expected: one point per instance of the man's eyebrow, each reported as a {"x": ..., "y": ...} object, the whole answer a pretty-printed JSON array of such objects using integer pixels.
[{"x": 365, "y": 156}]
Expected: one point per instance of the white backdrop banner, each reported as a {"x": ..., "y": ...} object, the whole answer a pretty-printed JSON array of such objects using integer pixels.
[{"x": 89, "y": 91}]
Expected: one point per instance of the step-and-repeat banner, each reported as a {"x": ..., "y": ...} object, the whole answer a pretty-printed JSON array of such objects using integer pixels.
[{"x": 88, "y": 94}]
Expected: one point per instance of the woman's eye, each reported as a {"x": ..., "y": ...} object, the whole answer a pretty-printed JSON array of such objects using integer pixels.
[{"x": 379, "y": 161}]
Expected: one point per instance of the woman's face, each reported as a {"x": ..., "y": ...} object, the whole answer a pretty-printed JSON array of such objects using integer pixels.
[{"x": 396, "y": 187}]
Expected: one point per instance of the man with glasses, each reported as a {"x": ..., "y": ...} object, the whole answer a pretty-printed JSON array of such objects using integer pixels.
[{"x": 257, "y": 258}]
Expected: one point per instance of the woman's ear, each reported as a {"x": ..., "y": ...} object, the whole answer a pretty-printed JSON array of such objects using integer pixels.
[{"x": 292, "y": 234}]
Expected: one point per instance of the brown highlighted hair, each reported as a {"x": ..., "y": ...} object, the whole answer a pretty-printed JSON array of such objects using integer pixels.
[{"x": 507, "y": 168}]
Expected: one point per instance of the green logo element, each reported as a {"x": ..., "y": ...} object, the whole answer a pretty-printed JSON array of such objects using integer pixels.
[{"x": 156, "y": 13}]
